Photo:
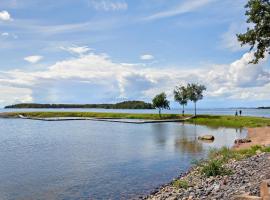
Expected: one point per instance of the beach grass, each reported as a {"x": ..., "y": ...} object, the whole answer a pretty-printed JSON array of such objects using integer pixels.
[{"x": 214, "y": 165}]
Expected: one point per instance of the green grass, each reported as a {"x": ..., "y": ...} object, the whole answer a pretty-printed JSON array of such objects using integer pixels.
[
  {"x": 214, "y": 166},
  {"x": 180, "y": 184},
  {"x": 230, "y": 121},
  {"x": 96, "y": 114}
]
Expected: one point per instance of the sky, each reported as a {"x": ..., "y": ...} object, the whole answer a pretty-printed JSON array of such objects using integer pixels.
[{"x": 107, "y": 51}]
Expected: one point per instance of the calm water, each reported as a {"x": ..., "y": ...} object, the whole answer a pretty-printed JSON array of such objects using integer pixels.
[
  {"x": 96, "y": 160},
  {"x": 213, "y": 111}
]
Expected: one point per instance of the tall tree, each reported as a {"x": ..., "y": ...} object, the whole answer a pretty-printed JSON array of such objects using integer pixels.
[
  {"x": 181, "y": 96},
  {"x": 195, "y": 93},
  {"x": 258, "y": 37},
  {"x": 160, "y": 101}
]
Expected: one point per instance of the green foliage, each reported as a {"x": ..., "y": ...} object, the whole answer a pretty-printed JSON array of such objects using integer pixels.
[
  {"x": 214, "y": 168},
  {"x": 218, "y": 157},
  {"x": 181, "y": 96},
  {"x": 195, "y": 93},
  {"x": 121, "y": 105},
  {"x": 160, "y": 101},
  {"x": 180, "y": 184},
  {"x": 258, "y": 37}
]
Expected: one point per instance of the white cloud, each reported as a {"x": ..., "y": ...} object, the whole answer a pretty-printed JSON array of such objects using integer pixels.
[
  {"x": 77, "y": 79},
  {"x": 77, "y": 49},
  {"x": 33, "y": 59},
  {"x": 5, "y": 16},
  {"x": 15, "y": 95},
  {"x": 229, "y": 39},
  {"x": 5, "y": 34},
  {"x": 108, "y": 5},
  {"x": 147, "y": 57},
  {"x": 185, "y": 7}
]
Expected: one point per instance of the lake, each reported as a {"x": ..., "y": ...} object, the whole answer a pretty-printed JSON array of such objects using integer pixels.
[{"x": 97, "y": 160}]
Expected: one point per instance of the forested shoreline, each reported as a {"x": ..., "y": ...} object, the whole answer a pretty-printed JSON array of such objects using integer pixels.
[{"x": 121, "y": 105}]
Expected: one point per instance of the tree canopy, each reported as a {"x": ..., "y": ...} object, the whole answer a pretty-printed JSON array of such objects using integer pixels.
[
  {"x": 195, "y": 93},
  {"x": 181, "y": 96},
  {"x": 258, "y": 36},
  {"x": 160, "y": 101}
]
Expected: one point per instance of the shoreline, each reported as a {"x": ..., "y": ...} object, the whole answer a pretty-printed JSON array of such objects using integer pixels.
[
  {"x": 258, "y": 136},
  {"x": 254, "y": 134},
  {"x": 215, "y": 121}
]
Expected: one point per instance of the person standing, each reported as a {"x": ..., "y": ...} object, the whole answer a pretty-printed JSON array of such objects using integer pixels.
[
  {"x": 240, "y": 112},
  {"x": 236, "y": 113}
]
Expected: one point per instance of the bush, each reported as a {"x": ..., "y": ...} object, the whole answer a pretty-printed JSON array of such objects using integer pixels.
[
  {"x": 214, "y": 168},
  {"x": 180, "y": 184}
]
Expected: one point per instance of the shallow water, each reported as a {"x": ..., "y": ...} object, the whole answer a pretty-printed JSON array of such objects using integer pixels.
[{"x": 97, "y": 160}]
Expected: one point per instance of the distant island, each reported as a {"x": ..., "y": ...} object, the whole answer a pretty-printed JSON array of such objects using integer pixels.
[
  {"x": 268, "y": 107},
  {"x": 121, "y": 105}
]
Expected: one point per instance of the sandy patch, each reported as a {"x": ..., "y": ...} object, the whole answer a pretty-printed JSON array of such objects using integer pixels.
[{"x": 258, "y": 136}]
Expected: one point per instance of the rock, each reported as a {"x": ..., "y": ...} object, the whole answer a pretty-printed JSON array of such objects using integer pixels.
[
  {"x": 206, "y": 137},
  {"x": 243, "y": 184},
  {"x": 241, "y": 141}
]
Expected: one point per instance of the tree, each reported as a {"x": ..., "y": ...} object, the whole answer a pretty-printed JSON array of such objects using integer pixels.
[
  {"x": 160, "y": 101},
  {"x": 258, "y": 37},
  {"x": 181, "y": 96},
  {"x": 195, "y": 93}
]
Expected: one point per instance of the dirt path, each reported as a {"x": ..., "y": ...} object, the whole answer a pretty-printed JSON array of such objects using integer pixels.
[{"x": 258, "y": 136}]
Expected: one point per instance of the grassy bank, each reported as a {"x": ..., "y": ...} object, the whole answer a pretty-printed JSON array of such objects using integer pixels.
[
  {"x": 231, "y": 121},
  {"x": 95, "y": 114},
  {"x": 209, "y": 120},
  {"x": 215, "y": 165}
]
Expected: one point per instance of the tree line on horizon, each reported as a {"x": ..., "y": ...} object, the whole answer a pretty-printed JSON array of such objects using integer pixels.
[
  {"x": 182, "y": 94},
  {"x": 121, "y": 105}
]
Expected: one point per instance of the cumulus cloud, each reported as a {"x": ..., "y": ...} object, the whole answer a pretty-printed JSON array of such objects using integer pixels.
[
  {"x": 5, "y": 16},
  {"x": 109, "y": 5},
  {"x": 77, "y": 49},
  {"x": 33, "y": 59},
  {"x": 147, "y": 57},
  {"x": 96, "y": 78}
]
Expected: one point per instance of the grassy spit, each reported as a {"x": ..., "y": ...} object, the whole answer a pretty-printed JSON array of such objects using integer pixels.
[
  {"x": 95, "y": 114},
  {"x": 209, "y": 120}
]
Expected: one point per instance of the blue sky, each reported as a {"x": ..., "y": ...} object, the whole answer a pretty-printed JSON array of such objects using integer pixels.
[{"x": 101, "y": 51}]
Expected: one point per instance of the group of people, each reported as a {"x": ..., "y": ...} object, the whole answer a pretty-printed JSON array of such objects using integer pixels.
[{"x": 240, "y": 113}]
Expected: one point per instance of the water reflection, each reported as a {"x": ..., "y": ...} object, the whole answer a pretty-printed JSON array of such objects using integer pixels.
[
  {"x": 160, "y": 135},
  {"x": 188, "y": 146},
  {"x": 97, "y": 160}
]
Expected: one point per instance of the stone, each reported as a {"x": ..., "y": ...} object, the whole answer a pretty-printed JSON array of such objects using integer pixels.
[
  {"x": 240, "y": 141},
  {"x": 206, "y": 137}
]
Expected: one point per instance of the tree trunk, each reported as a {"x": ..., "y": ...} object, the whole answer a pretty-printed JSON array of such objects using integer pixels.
[
  {"x": 195, "y": 109},
  {"x": 183, "y": 111},
  {"x": 159, "y": 112}
]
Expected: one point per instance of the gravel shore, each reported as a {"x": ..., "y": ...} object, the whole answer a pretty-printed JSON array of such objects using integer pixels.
[{"x": 247, "y": 174}]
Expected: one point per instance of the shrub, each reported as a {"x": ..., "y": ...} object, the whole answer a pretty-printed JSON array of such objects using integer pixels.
[
  {"x": 180, "y": 184},
  {"x": 214, "y": 168}
]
